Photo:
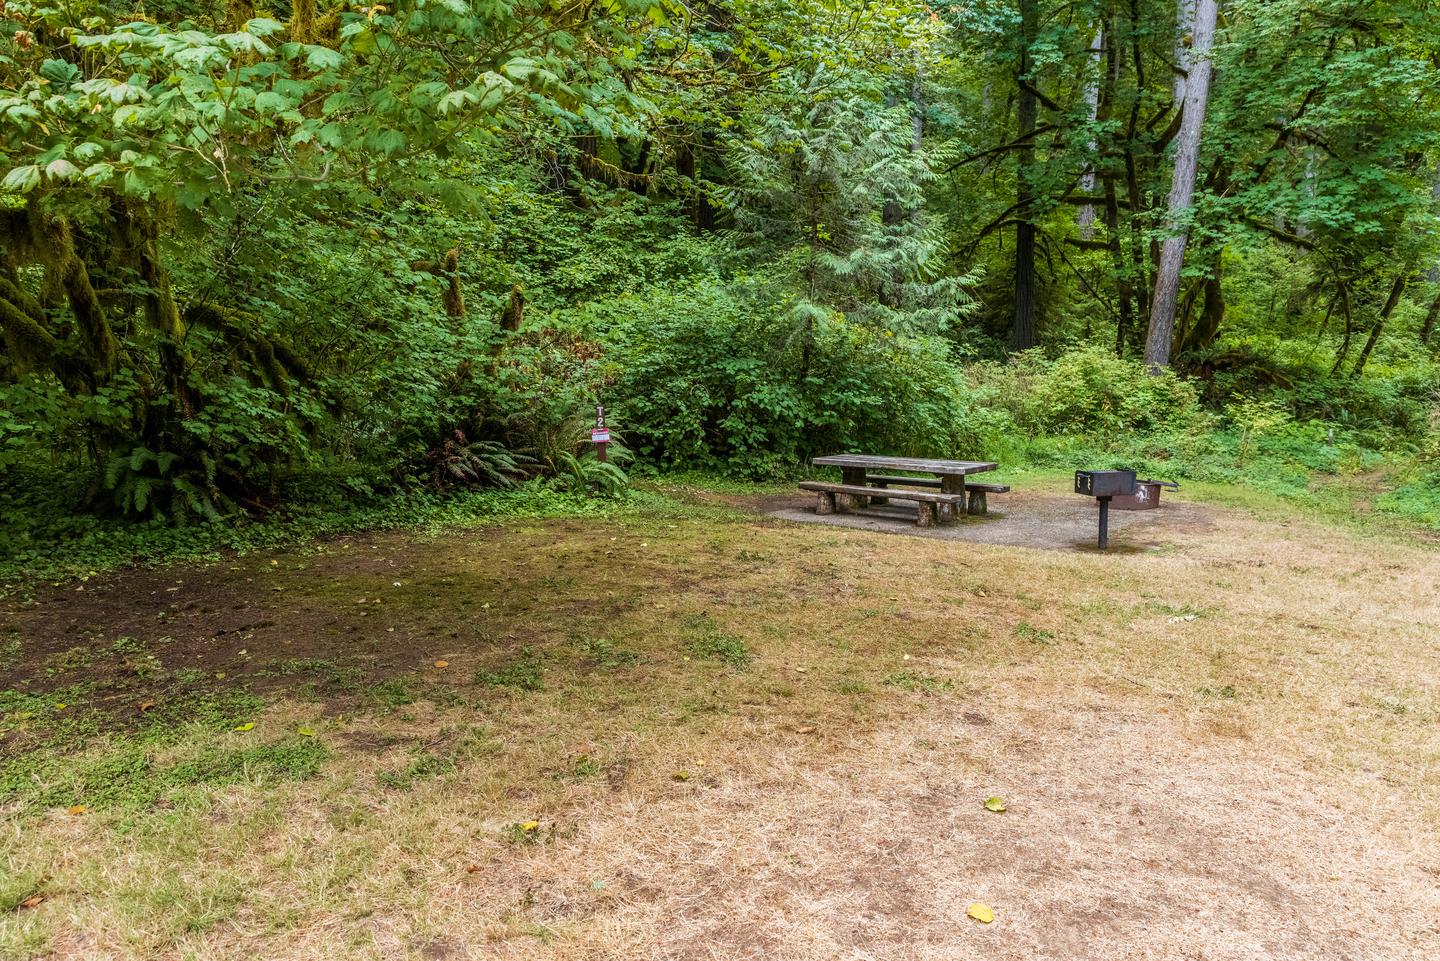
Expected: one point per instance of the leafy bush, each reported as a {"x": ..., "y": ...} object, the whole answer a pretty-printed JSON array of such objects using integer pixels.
[
  {"x": 708, "y": 377},
  {"x": 1091, "y": 391}
]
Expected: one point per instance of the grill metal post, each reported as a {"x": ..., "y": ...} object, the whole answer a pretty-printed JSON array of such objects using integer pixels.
[{"x": 1104, "y": 522}]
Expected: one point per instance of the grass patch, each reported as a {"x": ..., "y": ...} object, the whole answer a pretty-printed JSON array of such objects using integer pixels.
[
  {"x": 389, "y": 694},
  {"x": 917, "y": 681},
  {"x": 525, "y": 673},
  {"x": 710, "y": 643},
  {"x": 1225, "y": 692},
  {"x": 212, "y": 710},
  {"x": 16, "y": 886},
  {"x": 327, "y": 672},
  {"x": 10, "y": 649},
  {"x": 605, "y": 653},
  {"x": 129, "y": 772},
  {"x": 423, "y": 766},
  {"x": 1034, "y": 634}
]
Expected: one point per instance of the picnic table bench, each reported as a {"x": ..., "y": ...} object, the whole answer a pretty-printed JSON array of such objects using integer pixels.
[{"x": 942, "y": 504}]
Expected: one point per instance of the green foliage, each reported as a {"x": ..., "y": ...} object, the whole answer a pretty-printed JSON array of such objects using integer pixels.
[
  {"x": 1090, "y": 391},
  {"x": 460, "y": 462},
  {"x": 264, "y": 280},
  {"x": 710, "y": 378}
]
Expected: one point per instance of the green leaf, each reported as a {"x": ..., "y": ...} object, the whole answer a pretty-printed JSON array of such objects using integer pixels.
[
  {"x": 263, "y": 26},
  {"x": 22, "y": 180},
  {"x": 995, "y": 804},
  {"x": 271, "y": 102},
  {"x": 322, "y": 58},
  {"x": 455, "y": 100},
  {"x": 62, "y": 73},
  {"x": 387, "y": 142},
  {"x": 62, "y": 169}
]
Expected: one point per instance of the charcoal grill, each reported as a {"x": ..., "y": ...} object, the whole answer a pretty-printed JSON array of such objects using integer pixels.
[{"x": 1104, "y": 485}]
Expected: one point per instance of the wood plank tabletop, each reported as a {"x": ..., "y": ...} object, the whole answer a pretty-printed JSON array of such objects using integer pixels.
[{"x": 941, "y": 467}]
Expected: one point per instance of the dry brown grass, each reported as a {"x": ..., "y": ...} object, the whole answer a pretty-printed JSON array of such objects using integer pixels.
[{"x": 1225, "y": 749}]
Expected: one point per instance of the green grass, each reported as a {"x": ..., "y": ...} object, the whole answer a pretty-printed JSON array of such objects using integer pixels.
[
  {"x": 423, "y": 766},
  {"x": 389, "y": 694},
  {"x": 131, "y": 772},
  {"x": 605, "y": 653},
  {"x": 50, "y": 542},
  {"x": 1032, "y": 633},
  {"x": 708, "y": 642},
  {"x": 917, "y": 681},
  {"x": 524, "y": 673}
]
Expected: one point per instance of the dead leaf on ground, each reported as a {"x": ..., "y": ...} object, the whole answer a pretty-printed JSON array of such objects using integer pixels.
[
  {"x": 980, "y": 912},
  {"x": 146, "y": 705},
  {"x": 247, "y": 726},
  {"x": 77, "y": 809},
  {"x": 805, "y": 729},
  {"x": 442, "y": 663},
  {"x": 33, "y": 901},
  {"x": 995, "y": 804}
]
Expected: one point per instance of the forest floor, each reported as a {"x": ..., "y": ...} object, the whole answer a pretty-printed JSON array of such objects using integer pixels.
[{"x": 731, "y": 736}]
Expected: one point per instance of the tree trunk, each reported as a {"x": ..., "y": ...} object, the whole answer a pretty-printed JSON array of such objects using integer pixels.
[
  {"x": 1022, "y": 336},
  {"x": 1397, "y": 289},
  {"x": 1430, "y": 316},
  {"x": 1182, "y": 190},
  {"x": 1124, "y": 295},
  {"x": 1348, "y": 314},
  {"x": 1432, "y": 276},
  {"x": 1184, "y": 27},
  {"x": 1212, "y": 311},
  {"x": 1086, "y": 218}
]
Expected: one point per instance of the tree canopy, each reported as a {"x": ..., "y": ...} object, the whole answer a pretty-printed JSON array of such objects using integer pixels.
[{"x": 250, "y": 246}]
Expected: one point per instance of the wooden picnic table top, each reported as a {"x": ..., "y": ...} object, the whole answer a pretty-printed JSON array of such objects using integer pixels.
[{"x": 941, "y": 467}]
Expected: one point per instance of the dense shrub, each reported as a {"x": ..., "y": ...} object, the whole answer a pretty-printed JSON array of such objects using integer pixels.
[
  {"x": 710, "y": 377},
  {"x": 1089, "y": 390}
]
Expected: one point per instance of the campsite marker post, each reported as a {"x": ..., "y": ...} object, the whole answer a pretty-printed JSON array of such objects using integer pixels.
[{"x": 600, "y": 435}]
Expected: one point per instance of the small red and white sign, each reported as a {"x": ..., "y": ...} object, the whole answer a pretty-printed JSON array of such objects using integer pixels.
[{"x": 600, "y": 435}]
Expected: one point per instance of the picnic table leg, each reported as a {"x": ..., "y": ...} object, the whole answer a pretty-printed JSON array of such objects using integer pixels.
[
  {"x": 876, "y": 501},
  {"x": 953, "y": 484},
  {"x": 856, "y": 477}
]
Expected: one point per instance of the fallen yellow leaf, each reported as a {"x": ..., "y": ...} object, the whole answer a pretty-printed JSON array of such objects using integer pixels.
[
  {"x": 247, "y": 726},
  {"x": 442, "y": 663},
  {"x": 530, "y": 826},
  {"x": 980, "y": 912},
  {"x": 307, "y": 732},
  {"x": 77, "y": 809},
  {"x": 995, "y": 804}
]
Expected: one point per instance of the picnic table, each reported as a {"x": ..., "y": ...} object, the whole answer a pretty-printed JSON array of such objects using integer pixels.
[{"x": 943, "y": 500}]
